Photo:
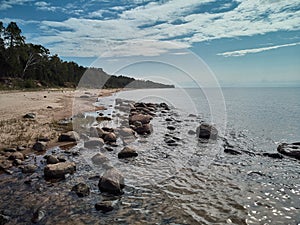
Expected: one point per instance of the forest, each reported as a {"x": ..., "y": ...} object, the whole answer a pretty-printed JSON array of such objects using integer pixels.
[{"x": 27, "y": 65}]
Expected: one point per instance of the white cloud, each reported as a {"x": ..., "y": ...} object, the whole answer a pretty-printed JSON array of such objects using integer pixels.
[
  {"x": 7, "y": 4},
  {"x": 251, "y": 17},
  {"x": 45, "y": 6},
  {"x": 255, "y": 50}
]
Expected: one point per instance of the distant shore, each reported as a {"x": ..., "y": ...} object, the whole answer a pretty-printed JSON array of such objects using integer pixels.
[{"x": 49, "y": 106}]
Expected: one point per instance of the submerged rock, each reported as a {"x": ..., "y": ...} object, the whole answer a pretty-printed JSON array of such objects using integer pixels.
[
  {"x": 112, "y": 182},
  {"x": 99, "y": 159},
  {"x": 94, "y": 142},
  {"x": 59, "y": 170},
  {"x": 31, "y": 168},
  {"x": 291, "y": 150},
  {"x": 127, "y": 152},
  {"x": 104, "y": 207},
  {"x": 69, "y": 136},
  {"x": 81, "y": 189},
  {"x": 207, "y": 131},
  {"x": 273, "y": 155}
]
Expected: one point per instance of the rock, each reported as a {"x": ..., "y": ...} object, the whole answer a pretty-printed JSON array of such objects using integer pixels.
[
  {"x": 104, "y": 206},
  {"x": 109, "y": 149},
  {"x": 18, "y": 162},
  {"x": 4, "y": 219},
  {"x": 191, "y": 132},
  {"x": 232, "y": 151},
  {"x": 171, "y": 128},
  {"x": 137, "y": 124},
  {"x": 144, "y": 129},
  {"x": 39, "y": 146},
  {"x": 81, "y": 189},
  {"x": 170, "y": 140},
  {"x": 16, "y": 155},
  {"x": 59, "y": 170},
  {"x": 99, "y": 159},
  {"x": 112, "y": 182},
  {"x": 29, "y": 116},
  {"x": 37, "y": 216},
  {"x": 207, "y": 131},
  {"x": 43, "y": 139},
  {"x": 21, "y": 148},
  {"x": 10, "y": 150},
  {"x": 169, "y": 119},
  {"x": 51, "y": 159},
  {"x": 103, "y": 118},
  {"x": 192, "y": 115},
  {"x": 110, "y": 137},
  {"x": 31, "y": 168},
  {"x": 291, "y": 150},
  {"x": 127, "y": 152},
  {"x": 164, "y": 106},
  {"x": 101, "y": 132},
  {"x": 69, "y": 136},
  {"x": 273, "y": 155},
  {"x": 5, "y": 164},
  {"x": 144, "y": 119},
  {"x": 126, "y": 132},
  {"x": 94, "y": 142}
]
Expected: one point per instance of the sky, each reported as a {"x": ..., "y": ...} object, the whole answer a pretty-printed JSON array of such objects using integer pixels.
[{"x": 184, "y": 42}]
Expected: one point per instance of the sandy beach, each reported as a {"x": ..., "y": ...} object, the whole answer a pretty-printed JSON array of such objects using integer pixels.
[{"x": 49, "y": 106}]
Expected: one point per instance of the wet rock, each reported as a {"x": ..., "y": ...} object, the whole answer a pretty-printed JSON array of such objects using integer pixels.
[
  {"x": 99, "y": 159},
  {"x": 207, "y": 131},
  {"x": 51, "y": 159},
  {"x": 69, "y": 136},
  {"x": 39, "y": 146},
  {"x": 291, "y": 150},
  {"x": 31, "y": 168},
  {"x": 18, "y": 162},
  {"x": 144, "y": 129},
  {"x": 144, "y": 119},
  {"x": 164, "y": 106},
  {"x": 43, "y": 139},
  {"x": 59, "y": 170},
  {"x": 232, "y": 151},
  {"x": 5, "y": 164},
  {"x": 112, "y": 182},
  {"x": 127, "y": 152},
  {"x": 273, "y": 155},
  {"x": 168, "y": 119},
  {"x": 109, "y": 149},
  {"x": 110, "y": 137},
  {"x": 37, "y": 216},
  {"x": 61, "y": 158},
  {"x": 171, "y": 128},
  {"x": 4, "y": 219},
  {"x": 16, "y": 155},
  {"x": 81, "y": 189},
  {"x": 101, "y": 133},
  {"x": 126, "y": 132},
  {"x": 104, "y": 207},
  {"x": 103, "y": 118},
  {"x": 94, "y": 142},
  {"x": 170, "y": 140},
  {"x": 192, "y": 115},
  {"x": 29, "y": 116},
  {"x": 21, "y": 148},
  {"x": 108, "y": 129},
  {"x": 191, "y": 132}
]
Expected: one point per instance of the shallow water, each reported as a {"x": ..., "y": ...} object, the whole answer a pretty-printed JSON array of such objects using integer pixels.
[{"x": 192, "y": 183}]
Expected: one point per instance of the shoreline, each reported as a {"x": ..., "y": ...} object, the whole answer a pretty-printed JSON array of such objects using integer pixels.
[{"x": 49, "y": 107}]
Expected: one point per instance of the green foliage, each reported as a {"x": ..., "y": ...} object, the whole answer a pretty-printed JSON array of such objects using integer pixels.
[{"x": 26, "y": 65}]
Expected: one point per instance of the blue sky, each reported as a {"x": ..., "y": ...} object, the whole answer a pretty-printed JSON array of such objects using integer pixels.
[{"x": 237, "y": 42}]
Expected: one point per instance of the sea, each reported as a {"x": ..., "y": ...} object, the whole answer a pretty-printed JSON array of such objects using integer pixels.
[{"x": 194, "y": 182}]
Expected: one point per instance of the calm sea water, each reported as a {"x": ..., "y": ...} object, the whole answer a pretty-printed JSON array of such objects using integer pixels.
[{"x": 192, "y": 183}]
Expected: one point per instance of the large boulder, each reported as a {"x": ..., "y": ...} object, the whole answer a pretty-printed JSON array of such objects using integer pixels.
[
  {"x": 144, "y": 119},
  {"x": 69, "y": 136},
  {"x": 112, "y": 182},
  {"x": 291, "y": 150},
  {"x": 207, "y": 131},
  {"x": 59, "y": 170},
  {"x": 127, "y": 152}
]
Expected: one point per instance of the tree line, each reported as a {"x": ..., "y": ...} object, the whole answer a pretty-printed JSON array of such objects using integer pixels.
[{"x": 27, "y": 65}]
